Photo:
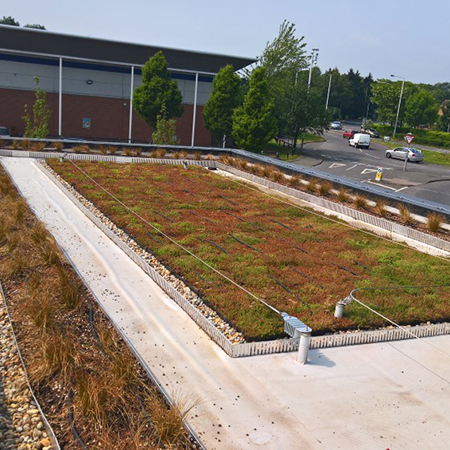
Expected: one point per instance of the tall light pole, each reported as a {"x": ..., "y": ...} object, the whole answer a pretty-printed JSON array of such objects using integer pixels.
[
  {"x": 312, "y": 61},
  {"x": 328, "y": 93},
  {"x": 399, "y": 102}
]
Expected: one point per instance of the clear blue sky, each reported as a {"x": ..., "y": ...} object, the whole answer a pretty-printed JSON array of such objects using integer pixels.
[{"x": 402, "y": 37}]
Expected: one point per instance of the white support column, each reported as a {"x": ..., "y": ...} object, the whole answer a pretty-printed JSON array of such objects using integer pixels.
[
  {"x": 60, "y": 99},
  {"x": 195, "y": 110},
  {"x": 303, "y": 347},
  {"x": 130, "y": 124}
]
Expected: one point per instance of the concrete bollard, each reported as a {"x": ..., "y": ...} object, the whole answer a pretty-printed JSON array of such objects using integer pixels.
[{"x": 303, "y": 347}]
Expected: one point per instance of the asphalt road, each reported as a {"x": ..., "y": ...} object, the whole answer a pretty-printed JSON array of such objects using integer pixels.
[{"x": 426, "y": 181}]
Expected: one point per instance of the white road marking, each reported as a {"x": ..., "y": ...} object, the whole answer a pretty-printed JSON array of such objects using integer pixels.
[
  {"x": 387, "y": 187},
  {"x": 350, "y": 168},
  {"x": 368, "y": 171},
  {"x": 337, "y": 165}
]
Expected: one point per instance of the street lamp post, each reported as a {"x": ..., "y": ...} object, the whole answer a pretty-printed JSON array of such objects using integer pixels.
[
  {"x": 399, "y": 102},
  {"x": 313, "y": 60},
  {"x": 328, "y": 93}
]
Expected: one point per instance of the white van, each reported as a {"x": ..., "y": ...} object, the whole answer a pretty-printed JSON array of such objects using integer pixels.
[{"x": 360, "y": 140}]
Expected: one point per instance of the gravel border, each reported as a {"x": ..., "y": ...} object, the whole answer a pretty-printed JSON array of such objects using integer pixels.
[{"x": 22, "y": 422}]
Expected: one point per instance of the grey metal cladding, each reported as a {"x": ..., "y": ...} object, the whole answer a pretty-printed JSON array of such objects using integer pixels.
[{"x": 30, "y": 40}]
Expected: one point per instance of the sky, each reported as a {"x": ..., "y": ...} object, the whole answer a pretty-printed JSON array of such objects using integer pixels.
[{"x": 407, "y": 38}]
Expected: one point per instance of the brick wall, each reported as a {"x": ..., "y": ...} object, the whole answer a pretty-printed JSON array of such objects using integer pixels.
[{"x": 109, "y": 117}]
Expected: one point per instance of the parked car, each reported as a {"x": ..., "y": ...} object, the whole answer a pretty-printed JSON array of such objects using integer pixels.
[
  {"x": 372, "y": 132},
  {"x": 4, "y": 132},
  {"x": 413, "y": 154},
  {"x": 349, "y": 133},
  {"x": 360, "y": 140},
  {"x": 336, "y": 125}
]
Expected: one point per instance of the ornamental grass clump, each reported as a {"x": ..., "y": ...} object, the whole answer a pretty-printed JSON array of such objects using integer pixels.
[
  {"x": 380, "y": 207},
  {"x": 25, "y": 144},
  {"x": 15, "y": 144},
  {"x": 294, "y": 181},
  {"x": 343, "y": 195},
  {"x": 312, "y": 185},
  {"x": 360, "y": 201},
  {"x": 405, "y": 214},
  {"x": 57, "y": 145},
  {"x": 435, "y": 222},
  {"x": 325, "y": 188},
  {"x": 276, "y": 176}
]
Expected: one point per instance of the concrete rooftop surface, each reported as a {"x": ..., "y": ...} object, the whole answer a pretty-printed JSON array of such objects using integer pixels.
[{"x": 377, "y": 396}]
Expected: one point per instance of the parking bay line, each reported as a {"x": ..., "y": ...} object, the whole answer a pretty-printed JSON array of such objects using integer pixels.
[{"x": 383, "y": 185}]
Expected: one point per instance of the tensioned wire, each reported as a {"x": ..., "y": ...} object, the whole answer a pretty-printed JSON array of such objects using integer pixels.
[{"x": 178, "y": 244}]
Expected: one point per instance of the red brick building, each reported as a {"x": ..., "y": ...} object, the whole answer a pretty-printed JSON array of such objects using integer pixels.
[{"x": 89, "y": 84}]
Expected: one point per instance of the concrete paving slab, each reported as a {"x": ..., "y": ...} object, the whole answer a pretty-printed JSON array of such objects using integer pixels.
[{"x": 378, "y": 396}]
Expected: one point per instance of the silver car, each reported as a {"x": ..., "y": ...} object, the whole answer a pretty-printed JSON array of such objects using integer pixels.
[
  {"x": 336, "y": 125},
  {"x": 413, "y": 154}
]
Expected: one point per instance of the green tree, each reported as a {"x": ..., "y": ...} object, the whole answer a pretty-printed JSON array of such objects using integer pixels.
[
  {"x": 443, "y": 122},
  {"x": 254, "y": 123},
  {"x": 223, "y": 100},
  {"x": 285, "y": 52},
  {"x": 421, "y": 109},
  {"x": 165, "y": 129},
  {"x": 35, "y": 25},
  {"x": 36, "y": 122},
  {"x": 9, "y": 21},
  {"x": 304, "y": 109},
  {"x": 386, "y": 95},
  {"x": 157, "y": 89}
]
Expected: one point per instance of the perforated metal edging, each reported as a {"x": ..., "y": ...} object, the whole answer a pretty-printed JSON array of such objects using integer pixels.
[
  {"x": 387, "y": 225},
  {"x": 264, "y": 347},
  {"x": 50, "y": 433}
]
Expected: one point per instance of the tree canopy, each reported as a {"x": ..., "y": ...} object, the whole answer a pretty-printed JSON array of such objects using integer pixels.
[
  {"x": 9, "y": 21},
  {"x": 421, "y": 109},
  {"x": 157, "y": 89},
  {"x": 223, "y": 100},
  {"x": 254, "y": 123}
]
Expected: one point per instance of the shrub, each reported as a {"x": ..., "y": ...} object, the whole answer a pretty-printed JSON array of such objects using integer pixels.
[
  {"x": 58, "y": 145},
  {"x": 26, "y": 144},
  {"x": 325, "y": 188},
  {"x": 435, "y": 221},
  {"x": 380, "y": 207},
  {"x": 15, "y": 144},
  {"x": 343, "y": 195},
  {"x": 360, "y": 201},
  {"x": 405, "y": 214},
  {"x": 39, "y": 146}
]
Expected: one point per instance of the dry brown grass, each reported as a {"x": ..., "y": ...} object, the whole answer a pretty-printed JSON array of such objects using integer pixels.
[
  {"x": 277, "y": 176},
  {"x": 360, "y": 201},
  {"x": 39, "y": 146},
  {"x": 176, "y": 155},
  {"x": 325, "y": 188},
  {"x": 158, "y": 153},
  {"x": 312, "y": 185},
  {"x": 58, "y": 145},
  {"x": 25, "y": 144},
  {"x": 405, "y": 214},
  {"x": 380, "y": 207},
  {"x": 15, "y": 144},
  {"x": 242, "y": 164},
  {"x": 112, "y": 149},
  {"x": 81, "y": 149},
  {"x": 103, "y": 149},
  {"x": 198, "y": 156},
  {"x": 183, "y": 154},
  {"x": 138, "y": 151},
  {"x": 127, "y": 151},
  {"x": 294, "y": 181},
  {"x": 343, "y": 195},
  {"x": 435, "y": 222},
  {"x": 210, "y": 157}
]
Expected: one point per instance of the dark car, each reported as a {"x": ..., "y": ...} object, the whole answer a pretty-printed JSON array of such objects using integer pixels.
[
  {"x": 372, "y": 132},
  {"x": 348, "y": 134},
  {"x": 4, "y": 132}
]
